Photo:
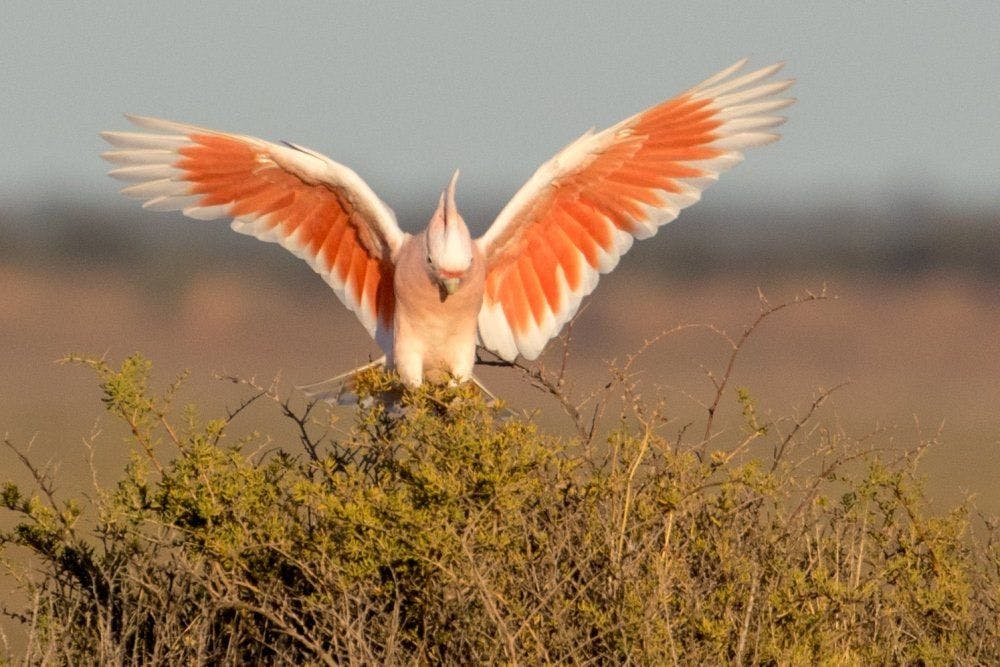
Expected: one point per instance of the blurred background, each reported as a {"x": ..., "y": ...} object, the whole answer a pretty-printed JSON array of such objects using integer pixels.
[{"x": 883, "y": 189}]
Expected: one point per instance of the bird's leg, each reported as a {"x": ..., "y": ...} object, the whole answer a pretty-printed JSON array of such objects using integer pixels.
[
  {"x": 409, "y": 365},
  {"x": 463, "y": 359}
]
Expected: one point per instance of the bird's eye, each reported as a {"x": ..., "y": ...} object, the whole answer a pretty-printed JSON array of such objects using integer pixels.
[{"x": 429, "y": 260}]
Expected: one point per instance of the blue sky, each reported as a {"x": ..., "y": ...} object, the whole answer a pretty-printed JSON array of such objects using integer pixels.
[{"x": 895, "y": 99}]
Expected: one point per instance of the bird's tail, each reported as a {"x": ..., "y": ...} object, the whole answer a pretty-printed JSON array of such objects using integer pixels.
[
  {"x": 338, "y": 390},
  {"x": 482, "y": 387}
]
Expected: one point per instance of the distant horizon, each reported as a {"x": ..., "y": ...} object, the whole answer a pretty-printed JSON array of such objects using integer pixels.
[
  {"x": 480, "y": 200},
  {"x": 902, "y": 237}
]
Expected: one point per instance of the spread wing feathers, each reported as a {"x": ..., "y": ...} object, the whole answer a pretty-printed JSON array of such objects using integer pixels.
[
  {"x": 580, "y": 212},
  {"x": 319, "y": 210}
]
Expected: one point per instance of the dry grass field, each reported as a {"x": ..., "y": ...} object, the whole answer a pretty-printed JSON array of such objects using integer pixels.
[{"x": 921, "y": 358}]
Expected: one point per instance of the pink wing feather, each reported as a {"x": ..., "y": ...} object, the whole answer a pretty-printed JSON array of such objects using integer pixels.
[
  {"x": 319, "y": 210},
  {"x": 581, "y": 211}
]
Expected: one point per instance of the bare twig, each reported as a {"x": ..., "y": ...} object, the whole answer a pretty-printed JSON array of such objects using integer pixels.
[
  {"x": 800, "y": 422},
  {"x": 42, "y": 480},
  {"x": 302, "y": 420},
  {"x": 766, "y": 311}
]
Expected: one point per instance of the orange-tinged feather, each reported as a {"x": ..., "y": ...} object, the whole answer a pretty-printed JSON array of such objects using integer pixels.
[
  {"x": 233, "y": 190},
  {"x": 298, "y": 213},
  {"x": 677, "y": 107},
  {"x": 351, "y": 262},
  {"x": 222, "y": 143},
  {"x": 337, "y": 222},
  {"x": 546, "y": 264},
  {"x": 266, "y": 201},
  {"x": 215, "y": 179},
  {"x": 514, "y": 301},
  {"x": 203, "y": 158},
  {"x": 567, "y": 254},
  {"x": 202, "y": 154},
  {"x": 346, "y": 248},
  {"x": 589, "y": 219},
  {"x": 262, "y": 202},
  {"x": 314, "y": 235},
  {"x": 314, "y": 229},
  {"x": 579, "y": 235},
  {"x": 672, "y": 170},
  {"x": 695, "y": 124},
  {"x": 386, "y": 298},
  {"x": 197, "y": 169},
  {"x": 642, "y": 177},
  {"x": 505, "y": 297},
  {"x": 680, "y": 142},
  {"x": 358, "y": 271},
  {"x": 688, "y": 153},
  {"x": 369, "y": 290},
  {"x": 348, "y": 263},
  {"x": 677, "y": 111},
  {"x": 532, "y": 289},
  {"x": 616, "y": 207},
  {"x": 236, "y": 154},
  {"x": 493, "y": 282},
  {"x": 610, "y": 160},
  {"x": 625, "y": 191}
]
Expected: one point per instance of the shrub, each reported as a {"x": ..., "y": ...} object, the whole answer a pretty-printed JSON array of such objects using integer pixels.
[{"x": 459, "y": 533}]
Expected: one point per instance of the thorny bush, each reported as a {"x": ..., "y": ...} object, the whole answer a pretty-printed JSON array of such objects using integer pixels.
[{"x": 458, "y": 533}]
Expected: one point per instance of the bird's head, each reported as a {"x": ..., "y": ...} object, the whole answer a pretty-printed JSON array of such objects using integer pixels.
[{"x": 449, "y": 245}]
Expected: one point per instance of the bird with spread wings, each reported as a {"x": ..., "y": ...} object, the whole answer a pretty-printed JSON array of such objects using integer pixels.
[{"x": 429, "y": 298}]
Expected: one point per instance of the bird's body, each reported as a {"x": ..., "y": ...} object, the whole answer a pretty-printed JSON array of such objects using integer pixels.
[
  {"x": 428, "y": 299},
  {"x": 434, "y": 332}
]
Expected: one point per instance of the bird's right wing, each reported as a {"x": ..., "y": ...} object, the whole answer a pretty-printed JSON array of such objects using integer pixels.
[
  {"x": 583, "y": 208},
  {"x": 318, "y": 209}
]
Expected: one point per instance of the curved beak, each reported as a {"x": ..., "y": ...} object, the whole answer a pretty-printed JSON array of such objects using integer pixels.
[{"x": 450, "y": 285}]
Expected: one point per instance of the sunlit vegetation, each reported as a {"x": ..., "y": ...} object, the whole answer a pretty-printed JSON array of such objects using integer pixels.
[{"x": 450, "y": 530}]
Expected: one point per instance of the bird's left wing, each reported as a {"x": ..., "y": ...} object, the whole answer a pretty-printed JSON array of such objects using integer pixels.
[
  {"x": 318, "y": 209},
  {"x": 582, "y": 209}
]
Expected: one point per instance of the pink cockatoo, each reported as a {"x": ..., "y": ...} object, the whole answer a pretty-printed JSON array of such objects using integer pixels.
[{"x": 429, "y": 298}]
